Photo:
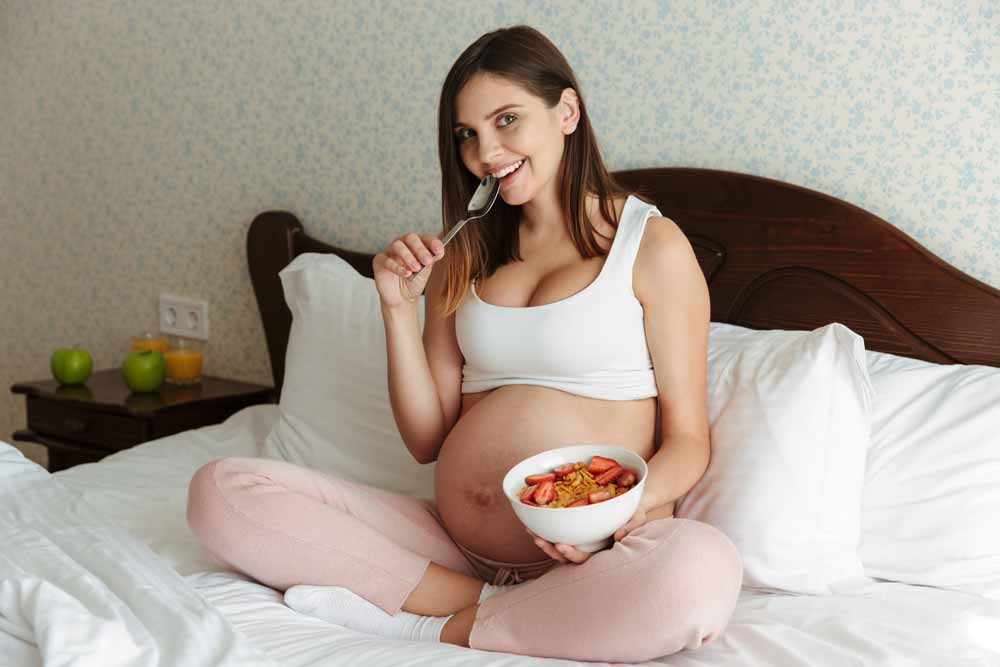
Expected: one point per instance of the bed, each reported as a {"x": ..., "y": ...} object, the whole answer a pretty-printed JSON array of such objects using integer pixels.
[{"x": 97, "y": 561}]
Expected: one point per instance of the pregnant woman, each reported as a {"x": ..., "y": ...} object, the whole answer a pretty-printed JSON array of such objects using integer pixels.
[{"x": 572, "y": 313}]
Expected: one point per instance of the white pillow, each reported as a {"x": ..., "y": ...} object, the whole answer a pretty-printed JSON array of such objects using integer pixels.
[
  {"x": 789, "y": 414},
  {"x": 335, "y": 414},
  {"x": 931, "y": 510}
]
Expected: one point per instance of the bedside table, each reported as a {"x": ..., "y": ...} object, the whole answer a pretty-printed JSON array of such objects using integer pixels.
[{"x": 85, "y": 423}]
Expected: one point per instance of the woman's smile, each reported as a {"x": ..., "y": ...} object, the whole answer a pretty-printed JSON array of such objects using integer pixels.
[{"x": 507, "y": 181}]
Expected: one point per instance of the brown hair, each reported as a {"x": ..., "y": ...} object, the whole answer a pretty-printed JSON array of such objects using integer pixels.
[{"x": 525, "y": 57}]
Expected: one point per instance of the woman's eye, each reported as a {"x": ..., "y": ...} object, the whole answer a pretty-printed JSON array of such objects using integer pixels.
[{"x": 462, "y": 136}]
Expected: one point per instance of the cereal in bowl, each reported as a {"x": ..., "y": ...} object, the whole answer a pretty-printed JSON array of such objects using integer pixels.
[{"x": 579, "y": 483}]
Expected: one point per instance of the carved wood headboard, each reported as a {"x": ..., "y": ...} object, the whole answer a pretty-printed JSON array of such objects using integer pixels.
[{"x": 776, "y": 256}]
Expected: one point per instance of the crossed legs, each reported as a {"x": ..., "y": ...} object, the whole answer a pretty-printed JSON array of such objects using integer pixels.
[{"x": 670, "y": 584}]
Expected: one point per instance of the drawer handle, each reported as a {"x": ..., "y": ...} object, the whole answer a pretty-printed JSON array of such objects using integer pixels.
[{"x": 74, "y": 425}]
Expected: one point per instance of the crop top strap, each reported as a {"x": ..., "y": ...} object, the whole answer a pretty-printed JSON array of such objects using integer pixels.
[{"x": 628, "y": 237}]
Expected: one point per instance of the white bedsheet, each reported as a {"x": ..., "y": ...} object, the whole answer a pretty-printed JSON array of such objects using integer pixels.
[
  {"x": 77, "y": 589},
  {"x": 144, "y": 490}
]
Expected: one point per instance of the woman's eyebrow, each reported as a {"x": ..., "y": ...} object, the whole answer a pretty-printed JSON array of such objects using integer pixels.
[{"x": 494, "y": 112}]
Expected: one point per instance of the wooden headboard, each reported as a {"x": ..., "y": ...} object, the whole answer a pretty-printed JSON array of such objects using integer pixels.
[{"x": 776, "y": 256}]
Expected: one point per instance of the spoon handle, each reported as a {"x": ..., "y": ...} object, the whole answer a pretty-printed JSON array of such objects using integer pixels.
[
  {"x": 454, "y": 230},
  {"x": 494, "y": 191}
]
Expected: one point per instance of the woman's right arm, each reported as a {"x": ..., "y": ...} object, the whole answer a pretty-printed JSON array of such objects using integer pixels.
[{"x": 424, "y": 376}]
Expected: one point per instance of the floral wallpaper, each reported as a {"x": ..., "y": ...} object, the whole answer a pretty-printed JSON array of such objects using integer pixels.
[{"x": 137, "y": 139}]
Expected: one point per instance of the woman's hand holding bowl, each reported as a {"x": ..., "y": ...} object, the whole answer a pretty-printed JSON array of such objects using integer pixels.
[{"x": 567, "y": 553}]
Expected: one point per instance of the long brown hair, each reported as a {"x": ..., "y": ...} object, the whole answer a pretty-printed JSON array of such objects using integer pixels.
[{"x": 525, "y": 57}]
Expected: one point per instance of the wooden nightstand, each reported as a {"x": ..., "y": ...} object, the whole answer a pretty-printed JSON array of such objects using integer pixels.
[{"x": 85, "y": 423}]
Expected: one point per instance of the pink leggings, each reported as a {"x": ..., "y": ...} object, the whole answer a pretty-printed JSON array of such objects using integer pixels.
[{"x": 668, "y": 585}]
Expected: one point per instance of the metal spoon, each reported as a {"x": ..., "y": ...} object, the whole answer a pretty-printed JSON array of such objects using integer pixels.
[{"x": 482, "y": 201}]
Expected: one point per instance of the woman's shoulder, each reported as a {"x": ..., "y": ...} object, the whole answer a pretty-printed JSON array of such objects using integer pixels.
[
  {"x": 665, "y": 255},
  {"x": 663, "y": 239},
  {"x": 658, "y": 232}
]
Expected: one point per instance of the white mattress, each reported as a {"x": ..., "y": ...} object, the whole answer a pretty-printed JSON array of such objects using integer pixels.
[{"x": 144, "y": 489}]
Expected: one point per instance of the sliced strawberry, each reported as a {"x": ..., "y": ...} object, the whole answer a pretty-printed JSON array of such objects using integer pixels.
[
  {"x": 599, "y": 464},
  {"x": 528, "y": 492},
  {"x": 545, "y": 492},
  {"x": 598, "y": 496},
  {"x": 528, "y": 501},
  {"x": 562, "y": 471},
  {"x": 539, "y": 478},
  {"x": 609, "y": 476},
  {"x": 628, "y": 478},
  {"x": 578, "y": 503}
]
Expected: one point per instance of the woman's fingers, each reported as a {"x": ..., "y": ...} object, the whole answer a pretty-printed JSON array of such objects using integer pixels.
[
  {"x": 547, "y": 547},
  {"x": 412, "y": 252},
  {"x": 383, "y": 262},
  {"x": 386, "y": 261},
  {"x": 572, "y": 554},
  {"x": 403, "y": 255},
  {"x": 564, "y": 553},
  {"x": 549, "y": 550},
  {"x": 637, "y": 520},
  {"x": 399, "y": 267},
  {"x": 433, "y": 247},
  {"x": 400, "y": 259}
]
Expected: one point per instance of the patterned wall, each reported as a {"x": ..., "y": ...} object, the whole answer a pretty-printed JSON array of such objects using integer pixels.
[{"x": 137, "y": 139}]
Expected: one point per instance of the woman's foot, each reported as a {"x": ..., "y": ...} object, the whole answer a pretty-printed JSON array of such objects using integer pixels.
[{"x": 342, "y": 606}]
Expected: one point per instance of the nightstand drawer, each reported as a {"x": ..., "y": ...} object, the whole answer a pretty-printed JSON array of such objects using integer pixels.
[{"x": 97, "y": 428}]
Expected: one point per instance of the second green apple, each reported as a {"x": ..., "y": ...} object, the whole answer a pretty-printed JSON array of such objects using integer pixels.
[{"x": 144, "y": 370}]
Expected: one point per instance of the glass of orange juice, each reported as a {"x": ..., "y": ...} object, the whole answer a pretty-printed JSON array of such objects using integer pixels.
[
  {"x": 149, "y": 341},
  {"x": 184, "y": 358}
]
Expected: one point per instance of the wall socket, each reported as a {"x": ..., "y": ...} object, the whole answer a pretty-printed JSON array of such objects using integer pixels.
[{"x": 184, "y": 317}]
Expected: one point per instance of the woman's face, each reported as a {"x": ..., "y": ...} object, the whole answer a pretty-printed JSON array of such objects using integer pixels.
[{"x": 499, "y": 124}]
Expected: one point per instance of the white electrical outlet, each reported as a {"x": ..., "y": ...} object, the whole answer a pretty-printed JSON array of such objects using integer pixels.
[{"x": 184, "y": 317}]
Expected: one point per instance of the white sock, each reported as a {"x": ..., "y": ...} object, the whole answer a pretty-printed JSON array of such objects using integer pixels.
[
  {"x": 489, "y": 590},
  {"x": 335, "y": 604}
]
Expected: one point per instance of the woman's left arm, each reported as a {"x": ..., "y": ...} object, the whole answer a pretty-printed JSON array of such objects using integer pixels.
[
  {"x": 671, "y": 287},
  {"x": 668, "y": 282}
]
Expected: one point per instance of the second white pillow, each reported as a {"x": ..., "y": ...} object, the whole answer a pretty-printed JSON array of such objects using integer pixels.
[
  {"x": 931, "y": 511},
  {"x": 790, "y": 426}
]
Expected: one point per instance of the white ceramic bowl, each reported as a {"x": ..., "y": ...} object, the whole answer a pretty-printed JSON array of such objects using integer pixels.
[{"x": 588, "y": 527}]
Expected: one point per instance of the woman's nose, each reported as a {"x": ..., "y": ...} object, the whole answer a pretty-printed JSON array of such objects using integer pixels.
[{"x": 489, "y": 149}]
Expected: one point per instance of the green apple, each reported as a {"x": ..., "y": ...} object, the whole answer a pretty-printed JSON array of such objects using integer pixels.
[
  {"x": 71, "y": 365},
  {"x": 144, "y": 370}
]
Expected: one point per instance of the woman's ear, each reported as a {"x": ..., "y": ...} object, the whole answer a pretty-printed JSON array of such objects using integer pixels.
[{"x": 569, "y": 109}]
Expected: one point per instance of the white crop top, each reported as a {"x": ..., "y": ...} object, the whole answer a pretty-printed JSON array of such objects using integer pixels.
[{"x": 591, "y": 343}]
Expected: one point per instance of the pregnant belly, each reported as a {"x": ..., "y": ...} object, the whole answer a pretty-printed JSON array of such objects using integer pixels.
[{"x": 501, "y": 427}]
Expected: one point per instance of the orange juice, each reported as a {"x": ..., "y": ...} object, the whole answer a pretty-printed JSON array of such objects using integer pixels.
[
  {"x": 149, "y": 342},
  {"x": 184, "y": 361}
]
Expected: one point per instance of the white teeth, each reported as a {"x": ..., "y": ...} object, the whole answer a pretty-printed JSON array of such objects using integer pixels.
[{"x": 504, "y": 172}]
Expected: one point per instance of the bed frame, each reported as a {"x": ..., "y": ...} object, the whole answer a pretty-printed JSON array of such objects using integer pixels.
[{"x": 775, "y": 255}]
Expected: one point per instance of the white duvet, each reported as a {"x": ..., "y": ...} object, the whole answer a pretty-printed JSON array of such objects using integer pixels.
[
  {"x": 97, "y": 566},
  {"x": 77, "y": 589}
]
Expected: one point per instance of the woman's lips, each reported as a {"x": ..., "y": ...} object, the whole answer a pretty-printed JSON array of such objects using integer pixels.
[{"x": 512, "y": 177}]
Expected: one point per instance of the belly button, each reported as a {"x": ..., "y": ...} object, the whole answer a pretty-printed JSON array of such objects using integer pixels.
[{"x": 481, "y": 498}]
